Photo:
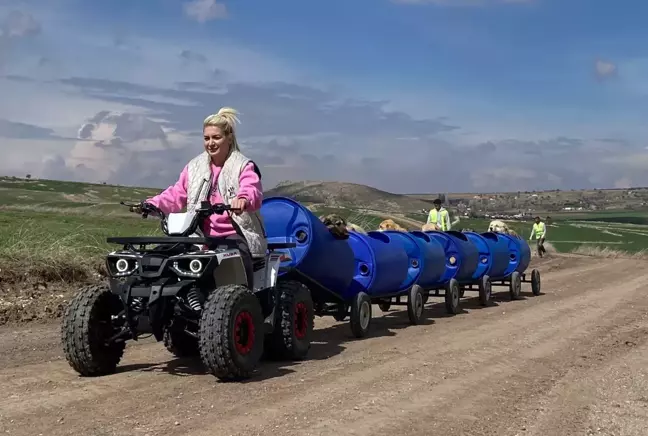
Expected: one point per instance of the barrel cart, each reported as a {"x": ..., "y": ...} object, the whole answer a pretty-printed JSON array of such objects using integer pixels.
[
  {"x": 345, "y": 277},
  {"x": 505, "y": 259}
]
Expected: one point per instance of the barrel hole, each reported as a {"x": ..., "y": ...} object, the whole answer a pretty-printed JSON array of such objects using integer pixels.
[
  {"x": 301, "y": 236},
  {"x": 512, "y": 256},
  {"x": 415, "y": 263},
  {"x": 364, "y": 269},
  {"x": 484, "y": 260}
]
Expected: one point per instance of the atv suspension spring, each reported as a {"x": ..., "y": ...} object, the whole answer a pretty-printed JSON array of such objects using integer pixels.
[
  {"x": 137, "y": 305},
  {"x": 193, "y": 298}
]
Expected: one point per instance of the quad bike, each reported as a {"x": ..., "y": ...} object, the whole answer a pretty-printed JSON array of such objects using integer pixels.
[{"x": 191, "y": 292}]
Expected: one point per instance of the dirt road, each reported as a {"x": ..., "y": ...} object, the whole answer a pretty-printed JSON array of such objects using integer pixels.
[{"x": 573, "y": 361}]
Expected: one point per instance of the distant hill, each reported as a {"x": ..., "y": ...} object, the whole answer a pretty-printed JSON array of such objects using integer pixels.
[{"x": 339, "y": 194}]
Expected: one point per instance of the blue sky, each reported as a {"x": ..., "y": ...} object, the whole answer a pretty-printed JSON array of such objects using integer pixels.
[{"x": 404, "y": 95}]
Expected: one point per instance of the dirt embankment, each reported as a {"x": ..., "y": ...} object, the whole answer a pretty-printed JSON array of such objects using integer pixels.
[
  {"x": 38, "y": 292},
  {"x": 573, "y": 361}
]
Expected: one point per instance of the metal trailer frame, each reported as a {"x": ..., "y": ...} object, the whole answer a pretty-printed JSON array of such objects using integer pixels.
[
  {"x": 328, "y": 303},
  {"x": 513, "y": 281},
  {"x": 451, "y": 290},
  {"x": 454, "y": 290}
]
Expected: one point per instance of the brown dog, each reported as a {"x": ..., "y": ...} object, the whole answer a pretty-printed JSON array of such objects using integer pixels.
[
  {"x": 339, "y": 227},
  {"x": 336, "y": 225}
]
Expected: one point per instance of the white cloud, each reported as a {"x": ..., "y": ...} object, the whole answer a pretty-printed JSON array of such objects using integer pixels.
[
  {"x": 605, "y": 69},
  {"x": 293, "y": 128},
  {"x": 205, "y": 10}
]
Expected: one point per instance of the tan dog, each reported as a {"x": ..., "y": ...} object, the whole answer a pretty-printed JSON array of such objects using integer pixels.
[
  {"x": 429, "y": 227},
  {"x": 498, "y": 226},
  {"x": 390, "y": 224}
]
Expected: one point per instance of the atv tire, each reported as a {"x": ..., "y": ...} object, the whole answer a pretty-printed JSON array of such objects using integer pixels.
[
  {"x": 294, "y": 323},
  {"x": 179, "y": 343},
  {"x": 85, "y": 328},
  {"x": 231, "y": 332}
]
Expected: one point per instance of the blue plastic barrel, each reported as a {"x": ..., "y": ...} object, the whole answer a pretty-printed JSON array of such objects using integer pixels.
[
  {"x": 525, "y": 255},
  {"x": 381, "y": 264},
  {"x": 500, "y": 260},
  {"x": 414, "y": 255},
  {"x": 461, "y": 255},
  {"x": 485, "y": 261},
  {"x": 318, "y": 254},
  {"x": 519, "y": 254},
  {"x": 433, "y": 261}
]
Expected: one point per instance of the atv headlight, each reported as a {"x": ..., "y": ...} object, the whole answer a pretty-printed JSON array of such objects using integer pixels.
[
  {"x": 186, "y": 266},
  {"x": 121, "y": 265},
  {"x": 195, "y": 266}
]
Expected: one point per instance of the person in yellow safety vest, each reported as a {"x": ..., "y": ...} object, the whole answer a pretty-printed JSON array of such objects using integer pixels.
[
  {"x": 539, "y": 230},
  {"x": 439, "y": 216}
]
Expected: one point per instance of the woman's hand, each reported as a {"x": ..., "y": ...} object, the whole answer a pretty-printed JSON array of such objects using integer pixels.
[{"x": 238, "y": 205}]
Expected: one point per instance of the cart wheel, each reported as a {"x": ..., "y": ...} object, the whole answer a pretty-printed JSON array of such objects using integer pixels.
[
  {"x": 415, "y": 304},
  {"x": 535, "y": 282},
  {"x": 462, "y": 291},
  {"x": 360, "y": 315},
  {"x": 452, "y": 297},
  {"x": 485, "y": 289},
  {"x": 515, "y": 286},
  {"x": 384, "y": 306},
  {"x": 426, "y": 295}
]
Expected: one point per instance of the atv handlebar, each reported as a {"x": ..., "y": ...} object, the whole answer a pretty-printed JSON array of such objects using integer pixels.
[{"x": 205, "y": 209}]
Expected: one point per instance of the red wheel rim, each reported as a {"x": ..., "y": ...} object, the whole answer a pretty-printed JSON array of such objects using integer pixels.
[
  {"x": 301, "y": 320},
  {"x": 243, "y": 332}
]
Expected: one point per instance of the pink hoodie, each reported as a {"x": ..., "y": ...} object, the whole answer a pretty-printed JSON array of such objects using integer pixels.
[{"x": 174, "y": 199}]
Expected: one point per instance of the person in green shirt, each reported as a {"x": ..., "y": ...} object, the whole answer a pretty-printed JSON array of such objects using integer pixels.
[{"x": 539, "y": 230}]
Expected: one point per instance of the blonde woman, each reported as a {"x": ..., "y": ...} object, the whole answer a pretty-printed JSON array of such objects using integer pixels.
[{"x": 222, "y": 174}]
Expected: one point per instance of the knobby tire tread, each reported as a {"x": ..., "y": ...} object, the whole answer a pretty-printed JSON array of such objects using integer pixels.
[
  {"x": 280, "y": 342},
  {"x": 216, "y": 331},
  {"x": 81, "y": 354}
]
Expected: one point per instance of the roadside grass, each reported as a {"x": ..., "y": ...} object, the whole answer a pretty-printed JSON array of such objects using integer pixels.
[{"x": 609, "y": 253}]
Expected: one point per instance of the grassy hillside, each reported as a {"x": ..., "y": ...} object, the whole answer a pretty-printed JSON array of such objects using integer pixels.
[{"x": 338, "y": 194}]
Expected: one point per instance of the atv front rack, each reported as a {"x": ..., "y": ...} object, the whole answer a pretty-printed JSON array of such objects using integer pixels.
[{"x": 131, "y": 241}]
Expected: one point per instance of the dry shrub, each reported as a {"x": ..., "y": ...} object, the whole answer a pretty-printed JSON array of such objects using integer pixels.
[
  {"x": 39, "y": 272},
  {"x": 609, "y": 253}
]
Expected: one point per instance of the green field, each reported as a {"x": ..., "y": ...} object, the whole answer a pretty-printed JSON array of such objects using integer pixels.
[
  {"x": 623, "y": 231},
  {"x": 42, "y": 220}
]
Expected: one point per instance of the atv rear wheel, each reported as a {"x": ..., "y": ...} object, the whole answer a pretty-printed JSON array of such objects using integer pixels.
[
  {"x": 231, "y": 332},
  {"x": 87, "y": 326},
  {"x": 177, "y": 342},
  {"x": 294, "y": 322}
]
